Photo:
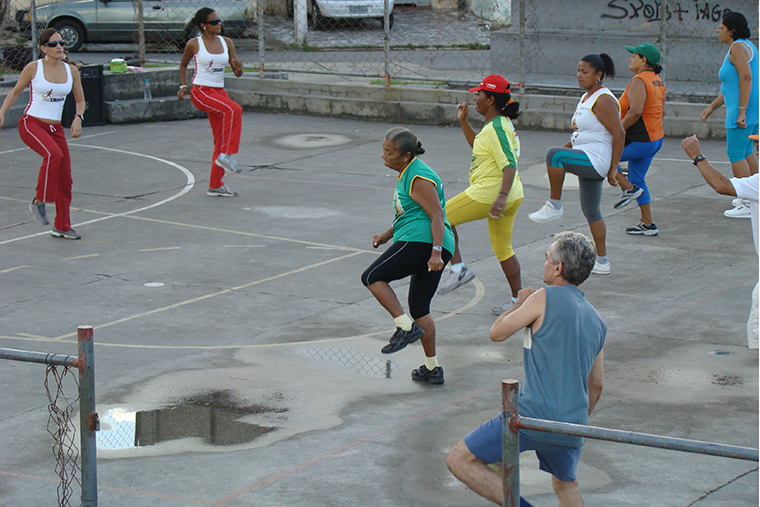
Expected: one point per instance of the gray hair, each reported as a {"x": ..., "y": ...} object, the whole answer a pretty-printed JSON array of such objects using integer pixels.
[
  {"x": 405, "y": 141},
  {"x": 576, "y": 253}
]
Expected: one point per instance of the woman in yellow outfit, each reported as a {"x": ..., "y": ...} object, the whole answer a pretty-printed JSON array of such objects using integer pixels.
[{"x": 495, "y": 190}]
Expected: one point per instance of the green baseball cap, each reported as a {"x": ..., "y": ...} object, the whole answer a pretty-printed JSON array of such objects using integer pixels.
[{"x": 646, "y": 50}]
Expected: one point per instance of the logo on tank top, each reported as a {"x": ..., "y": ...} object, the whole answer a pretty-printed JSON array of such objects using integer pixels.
[
  {"x": 397, "y": 203},
  {"x": 210, "y": 67},
  {"x": 49, "y": 97}
]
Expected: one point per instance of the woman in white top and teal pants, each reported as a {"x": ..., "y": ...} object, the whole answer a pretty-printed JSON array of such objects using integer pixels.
[{"x": 592, "y": 153}]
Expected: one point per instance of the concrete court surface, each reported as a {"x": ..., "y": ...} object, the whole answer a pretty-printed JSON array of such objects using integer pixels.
[{"x": 261, "y": 294}]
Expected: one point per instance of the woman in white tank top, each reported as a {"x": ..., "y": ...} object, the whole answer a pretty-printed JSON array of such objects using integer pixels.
[
  {"x": 211, "y": 52},
  {"x": 592, "y": 153},
  {"x": 50, "y": 80}
]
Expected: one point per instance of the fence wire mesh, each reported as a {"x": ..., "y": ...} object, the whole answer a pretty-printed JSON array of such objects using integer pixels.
[
  {"x": 63, "y": 429},
  {"x": 534, "y": 42}
]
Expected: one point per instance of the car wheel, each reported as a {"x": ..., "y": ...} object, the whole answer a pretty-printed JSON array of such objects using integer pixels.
[
  {"x": 390, "y": 21},
  {"x": 72, "y": 33},
  {"x": 318, "y": 21}
]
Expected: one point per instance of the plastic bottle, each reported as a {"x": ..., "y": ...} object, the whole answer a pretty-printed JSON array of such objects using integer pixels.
[{"x": 146, "y": 90}]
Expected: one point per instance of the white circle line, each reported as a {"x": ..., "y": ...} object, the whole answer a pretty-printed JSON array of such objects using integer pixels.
[{"x": 188, "y": 186}]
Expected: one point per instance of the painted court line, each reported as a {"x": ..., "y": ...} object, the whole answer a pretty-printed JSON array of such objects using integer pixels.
[
  {"x": 81, "y": 257},
  {"x": 160, "y": 249},
  {"x": 189, "y": 184},
  {"x": 14, "y": 269}
]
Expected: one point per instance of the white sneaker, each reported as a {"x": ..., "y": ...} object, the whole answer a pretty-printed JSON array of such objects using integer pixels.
[
  {"x": 546, "y": 214},
  {"x": 601, "y": 269},
  {"x": 498, "y": 310},
  {"x": 228, "y": 163},
  {"x": 742, "y": 210},
  {"x": 455, "y": 280},
  {"x": 736, "y": 201}
]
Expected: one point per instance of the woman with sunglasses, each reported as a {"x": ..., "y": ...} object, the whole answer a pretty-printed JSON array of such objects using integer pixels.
[
  {"x": 51, "y": 79},
  {"x": 211, "y": 52}
]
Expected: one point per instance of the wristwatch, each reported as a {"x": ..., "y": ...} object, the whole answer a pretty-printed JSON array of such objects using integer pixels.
[
  {"x": 437, "y": 248},
  {"x": 699, "y": 158},
  {"x": 81, "y": 116}
]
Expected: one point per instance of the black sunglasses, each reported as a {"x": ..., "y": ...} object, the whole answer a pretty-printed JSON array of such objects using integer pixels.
[
  {"x": 214, "y": 21},
  {"x": 54, "y": 43}
]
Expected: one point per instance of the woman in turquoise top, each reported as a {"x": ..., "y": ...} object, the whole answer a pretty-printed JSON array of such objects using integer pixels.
[
  {"x": 422, "y": 245},
  {"x": 739, "y": 92}
]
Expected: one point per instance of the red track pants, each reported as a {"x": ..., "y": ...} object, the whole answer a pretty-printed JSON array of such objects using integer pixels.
[
  {"x": 226, "y": 118},
  {"x": 54, "y": 181}
]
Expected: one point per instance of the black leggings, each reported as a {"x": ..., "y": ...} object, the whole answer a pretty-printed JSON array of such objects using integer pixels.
[{"x": 405, "y": 258}]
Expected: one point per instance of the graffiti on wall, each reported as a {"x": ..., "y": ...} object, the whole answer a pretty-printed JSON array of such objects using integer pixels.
[{"x": 653, "y": 10}]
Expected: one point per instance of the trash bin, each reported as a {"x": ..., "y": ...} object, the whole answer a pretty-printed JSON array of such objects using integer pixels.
[{"x": 94, "y": 91}]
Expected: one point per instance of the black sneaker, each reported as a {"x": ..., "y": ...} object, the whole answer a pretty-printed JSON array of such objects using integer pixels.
[
  {"x": 628, "y": 196},
  {"x": 38, "y": 212},
  {"x": 70, "y": 234},
  {"x": 401, "y": 338},
  {"x": 422, "y": 374},
  {"x": 641, "y": 229}
]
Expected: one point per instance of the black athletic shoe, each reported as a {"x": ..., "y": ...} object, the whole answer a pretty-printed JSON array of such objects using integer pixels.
[
  {"x": 628, "y": 196},
  {"x": 422, "y": 374},
  {"x": 401, "y": 338}
]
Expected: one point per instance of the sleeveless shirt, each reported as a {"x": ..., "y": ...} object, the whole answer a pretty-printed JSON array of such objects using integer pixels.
[
  {"x": 648, "y": 127},
  {"x": 209, "y": 67},
  {"x": 729, "y": 87},
  {"x": 46, "y": 99},
  {"x": 589, "y": 135}
]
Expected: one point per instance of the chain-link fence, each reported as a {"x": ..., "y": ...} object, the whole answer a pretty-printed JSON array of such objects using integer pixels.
[{"x": 532, "y": 42}]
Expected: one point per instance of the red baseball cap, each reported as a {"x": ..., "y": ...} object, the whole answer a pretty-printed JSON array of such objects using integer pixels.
[{"x": 493, "y": 83}]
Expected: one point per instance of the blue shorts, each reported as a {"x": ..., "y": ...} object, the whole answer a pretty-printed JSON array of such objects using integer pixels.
[
  {"x": 738, "y": 144},
  {"x": 561, "y": 461}
]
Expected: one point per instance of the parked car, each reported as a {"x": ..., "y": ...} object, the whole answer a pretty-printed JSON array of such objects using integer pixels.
[
  {"x": 321, "y": 13},
  {"x": 81, "y": 21}
]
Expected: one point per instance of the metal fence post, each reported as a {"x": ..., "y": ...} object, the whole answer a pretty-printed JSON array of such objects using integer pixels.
[
  {"x": 35, "y": 46},
  {"x": 386, "y": 45},
  {"x": 141, "y": 32},
  {"x": 522, "y": 47},
  {"x": 262, "y": 41},
  {"x": 510, "y": 443},
  {"x": 88, "y": 418},
  {"x": 663, "y": 34}
]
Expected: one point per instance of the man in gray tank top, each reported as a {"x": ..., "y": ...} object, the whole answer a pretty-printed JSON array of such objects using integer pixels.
[{"x": 564, "y": 372}]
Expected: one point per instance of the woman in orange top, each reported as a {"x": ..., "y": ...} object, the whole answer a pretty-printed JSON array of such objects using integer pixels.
[{"x": 642, "y": 107}]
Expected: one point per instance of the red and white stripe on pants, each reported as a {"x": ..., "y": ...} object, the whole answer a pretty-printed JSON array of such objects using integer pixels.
[
  {"x": 226, "y": 118},
  {"x": 54, "y": 181}
]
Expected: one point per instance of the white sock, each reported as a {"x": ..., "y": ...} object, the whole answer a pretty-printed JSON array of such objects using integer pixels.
[
  {"x": 457, "y": 268},
  {"x": 602, "y": 259},
  {"x": 431, "y": 362},
  {"x": 404, "y": 322},
  {"x": 556, "y": 203}
]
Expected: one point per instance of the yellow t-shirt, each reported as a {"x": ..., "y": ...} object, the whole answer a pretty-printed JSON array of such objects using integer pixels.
[{"x": 495, "y": 148}]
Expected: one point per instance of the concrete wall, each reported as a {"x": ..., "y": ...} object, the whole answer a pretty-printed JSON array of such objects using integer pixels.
[{"x": 557, "y": 37}]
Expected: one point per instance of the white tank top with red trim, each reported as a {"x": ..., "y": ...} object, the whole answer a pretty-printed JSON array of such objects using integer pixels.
[
  {"x": 45, "y": 98},
  {"x": 209, "y": 67}
]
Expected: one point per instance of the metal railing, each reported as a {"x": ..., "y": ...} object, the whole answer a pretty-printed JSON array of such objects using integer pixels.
[
  {"x": 88, "y": 418},
  {"x": 511, "y": 423}
]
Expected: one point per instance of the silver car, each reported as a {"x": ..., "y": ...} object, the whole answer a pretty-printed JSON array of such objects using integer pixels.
[
  {"x": 81, "y": 21},
  {"x": 321, "y": 13}
]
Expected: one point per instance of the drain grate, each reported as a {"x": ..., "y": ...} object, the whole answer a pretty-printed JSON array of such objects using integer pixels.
[{"x": 357, "y": 361}]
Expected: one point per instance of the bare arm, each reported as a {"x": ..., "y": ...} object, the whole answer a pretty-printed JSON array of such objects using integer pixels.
[
  {"x": 739, "y": 57},
  {"x": 712, "y": 107},
  {"x": 497, "y": 209},
  {"x": 382, "y": 238},
  {"x": 712, "y": 176},
  {"x": 528, "y": 309},
  {"x": 24, "y": 79},
  {"x": 191, "y": 48},
  {"x": 235, "y": 63},
  {"x": 424, "y": 193},
  {"x": 637, "y": 97},
  {"x": 76, "y": 123},
  {"x": 595, "y": 381},
  {"x": 608, "y": 114},
  {"x": 467, "y": 130}
]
